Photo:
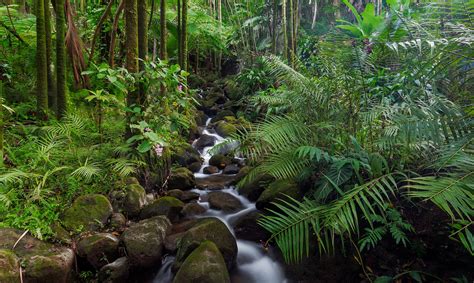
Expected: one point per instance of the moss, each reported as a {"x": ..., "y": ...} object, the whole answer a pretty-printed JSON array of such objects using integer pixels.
[
  {"x": 135, "y": 199},
  {"x": 278, "y": 189},
  {"x": 9, "y": 266},
  {"x": 225, "y": 129},
  {"x": 220, "y": 161},
  {"x": 88, "y": 212},
  {"x": 221, "y": 115},
  {"x": 204, "y": 264},
  {"x": 181, "y": 178},
  {"x": 168, "y": 206}
]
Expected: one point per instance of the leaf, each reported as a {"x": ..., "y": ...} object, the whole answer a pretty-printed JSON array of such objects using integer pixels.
[
  {"x": 383, "y": 279},
  {"x": 144, "y": 146}
]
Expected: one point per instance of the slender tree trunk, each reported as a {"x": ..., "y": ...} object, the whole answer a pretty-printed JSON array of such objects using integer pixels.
[
  {"x": 180, "y": 60},
  {"x": 184, "y": 35},
  {"x": 131, "y": 44},
  {"x": 142, "y": 43},
  {"x": 2, "y": 123},
  {"x": 274, "y": 26},
  {"x": 41, "y": 62},
  {"x": 163, "y": 31},
  {"x": 290, "y": 32},
  {"x": 219, "y": 18},
  {"x": 49, "y": 52},
  {"x": 61, "y": 59},
  {"x": 284, "y": 28},
  {"x": 337, "y": 9},
  {"x": 98, "y": 28},
  {"x": 113, "y": 33}
]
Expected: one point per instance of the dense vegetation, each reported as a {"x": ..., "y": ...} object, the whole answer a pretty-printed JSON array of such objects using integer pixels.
[{"x": 365, "y": 107}]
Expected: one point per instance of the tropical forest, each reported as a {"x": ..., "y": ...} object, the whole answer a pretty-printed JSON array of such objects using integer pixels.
[{"x": 236, "y": 141}]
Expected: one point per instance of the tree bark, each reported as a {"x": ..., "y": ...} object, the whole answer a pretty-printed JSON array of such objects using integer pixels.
[
  {"x": 98, "y": 28},
  {"x": 163, "y": 31},
  {"x": 274, "y": 26},
  {"x": 113, "y": 33},
  {"x": 61, "y": 87},
  {"x": 131, "y": 44},
  {"x": 184, "y": 35},
  {"x": 41, "y": 62},
  {"x": 284, "y": 28},
  {"x": 49, "y": 63}
]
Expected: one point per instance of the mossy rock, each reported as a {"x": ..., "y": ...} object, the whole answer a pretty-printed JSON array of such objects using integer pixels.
[
  {"x": 144, "y": 241},
  {"x": 211, "y": 229},
  {"x": 252, "y": 190},
  {"x": 224, "y": 201},
  {"x": 168, "y": 206},
  {"x": 221, "y": 115},
  {"x": 185, "y": 155},
  {"x": 135, "y": 199},
  {"x": 87, "y": 213},
  {"x": 9, "y": 266},
  {"x": 99, "y": 249},
  {"x": 220, "y": 161},
  {"x": 181, "y": 178},
  {"x": 225, "y": 129},
  {"x": 204, "y": 264},
  {"x": 277, "y": 190},
  {"x": 115, "y": 272}
]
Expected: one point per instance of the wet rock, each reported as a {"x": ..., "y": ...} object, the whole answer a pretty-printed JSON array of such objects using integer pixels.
[
  {"x": 220, "y": 161},
  {"x": 204, "y": 264},
  {"x": 211, "y": 182},
  {"x": 181, "y": 178},
  {"x": 115, "y": 272},
  {"x": 247, "y": 228},
  {"x": 61, "y": 235},
  {"x": 99, "y": 249},
  {"x": 224, "y": 201},
  {"x": 204, "y": 141},
  {"x": 277, "y": 190},
  {"x": 225, "y": 129},
  {"x": 194, "y": 167},
  {"x": 9, "y": 266},
  {"x": 211, "y": 229},
  {"x": 129, "y": 200},
  {"x": 244, "y": 171},
  {"x": 228, "y": 148},
  {"x": 252, "y": 190},
  {"x": 210, "y": 170},
  {"x": 201, "y": 118},
  {"x": 41, "y": 261},
  {"x": 192, "y": 209},
  {"x": 87, "y": 213},
  {"x": 167, "y": 206},
  {"x": 185, "y": 155},
  {"x": 231, "y": 169},
  {"x": 117, "y": 220},
  {"x": 189, "y": 196},
  {"x": 150, "y": 197},
  {"x": 221, "y": 114},
  {"x": 144, "y": 241},
  {"x": 171, "y": 242},
  {"x": 175, "y": 193}
]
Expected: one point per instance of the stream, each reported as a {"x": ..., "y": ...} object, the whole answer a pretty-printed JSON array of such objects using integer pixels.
[{"x": 254, "y": 264}]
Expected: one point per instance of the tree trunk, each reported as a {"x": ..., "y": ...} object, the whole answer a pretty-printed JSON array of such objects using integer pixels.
[
  {"x": 113, "y": 33},
  {"x": 163, "y": 31},
  {"x": 61, "y": 59},
  {"x": 2, "y": 123},
  {"x": 131, "y": 46},
  {"x": 284, "y": 28},
  {"x": 49, "y": 51},
  {"x": 219, "y": 18},
  {"x": 180, "y": 61},
  {"x": 291, "y": 33},
  {"x": 274, "y": 26},
  {"x": 142, "y": 43},
  {"x": 184, "y": 35},
  {"x": 41, "y": 62}
]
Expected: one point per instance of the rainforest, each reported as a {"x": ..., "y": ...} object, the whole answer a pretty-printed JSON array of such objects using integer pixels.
[{"x": 236, "y": 141}]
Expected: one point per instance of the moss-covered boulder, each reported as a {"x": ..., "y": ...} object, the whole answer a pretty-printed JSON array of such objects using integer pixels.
[
  {"x": 225, "y": 129},
  {"x": 117, "y": 221},
  {"x": 115, "y": 272},
  {"x": 9, "y": 266},
  {"x": 167, "y": 206},
  {"x": 189, "y": 196},
  {"x": 231, "y": 169},
  {"x": 224, "y": 201},
  {"x": 41, "y": 261},
  {"x": 129, "y": 199},
  {"x": 230, "y": 125},
  {"x": 181, "y": 178},
  {"x": 192, "y": 209},
  {"x": 144, "y": 241},
  {"x": 99, "y": 249},
  {"x": 277, "y": 190},
  {"x": 204, "y": 264},
  {"x": 221, "y": 115},
  {"x": 185, "y": 155},
  {"x": 252, "y": 190},
  {"x": 210, "y": 170},
  {"x": 220, "y": 161},
  {"x": 194, "y": 167},
  {"x": 205, "y": 141},
  {"x": 87, "y": 213},
  {"x": 211, "y": 229}
]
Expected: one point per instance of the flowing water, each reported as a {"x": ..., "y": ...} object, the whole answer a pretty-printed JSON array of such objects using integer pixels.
[{"x": 254, "y": 264}]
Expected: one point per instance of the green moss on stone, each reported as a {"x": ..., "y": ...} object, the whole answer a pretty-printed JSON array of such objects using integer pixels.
[
  {"x": 88, "y": 212},
  {"x": 9, "y": 266}
]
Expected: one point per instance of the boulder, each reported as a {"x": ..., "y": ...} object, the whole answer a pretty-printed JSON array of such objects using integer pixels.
[
  {"x": 252, "y": 190},
  {"x": 221, "y": 115},
  {"x": 181, "y": 178},
  {"x": 175, "y": 193},
  {"x": 9, "y": 266},
  {"x": 276, "y": 190},
  {"x": 192, "y": 209},
  {"x": 211, "y": 229},
  {"x": 204, "y": 264},
  {"x": 87, "y": 213},
  {"x": 247, "y": 228},
  {"x": 204, "y": 141},
  {"x": 167, "y": 206},
  {"x": 115, "y": 272},
  {"x": 99, "y": 249},
  {"x": 185, "y": 155},
  {"x": 224, "y": 201},
  {"x": 231, "y": 169},
  {"x": 225, "y": 129},
  {"x": 61, "y": 235},
  {"x": 129, "y": 200},
  {"x": 171, "y": 242},
  {"x": 117, "y": 221},
  {"x": 210, "y": 170},
  {"x": 201, "y": 118},
  {"x": 41, "y": 261},
  {"x": 144, "y": 241},
  {"x": 220, "y": 161},
  {"x": 244, "y": 171},
  {"x": 194, "y": 167}
]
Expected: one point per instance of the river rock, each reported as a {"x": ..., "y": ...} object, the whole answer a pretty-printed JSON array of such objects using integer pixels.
[
  {"x": 231, "y": 169},
  {"x": 129, "y": 199},
  {"x": 204, "y": 264},
  {"x": 9, "y": 266},
  {"x": 277, "y": 190},
  {"x": 204, "y": 141},
  {"x": 210, "y": 170},
  {"x": 211, "y": 229},
  {"x": 87, "y": 212},
  {"x": 99, "y": 249},
  {"x": 201, "y": 118},
  {"x": 181, "y": 178},
  {"x": 224, "y": 201},
  {"x": 167, "y": 206},
  {"x": 117, "y": 220},
  {"x": 171, "y": 242},
  {"x": 192, "y": 209},
  {"x": 220, "y": 161},
  {"x": 144, "y": 241},
  {"x": 252, "y": 190},
  {"x": 115, "y": 272},
  {"x": 225, "y": 129},
  {"x": 221, "y": 115},
  {"x": 189, "y": 196},
  {"x": 185, "y": 155},
  {"x": 175, "y": 193},
  {"x": 247, "y": 228},
  {"x": 194, "y": 167}
]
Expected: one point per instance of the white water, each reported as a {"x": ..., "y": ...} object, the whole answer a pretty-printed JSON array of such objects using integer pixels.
[{"x": 254, "y": 265}]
